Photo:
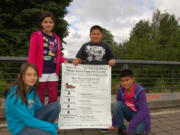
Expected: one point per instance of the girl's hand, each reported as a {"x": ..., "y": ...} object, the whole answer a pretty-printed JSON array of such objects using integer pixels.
[
  {"x": 65, "y": 62},
  {"x": 58, "y": 130},
  {"x": 76, "y": 61},
  {"x": 112, "y": 128}
]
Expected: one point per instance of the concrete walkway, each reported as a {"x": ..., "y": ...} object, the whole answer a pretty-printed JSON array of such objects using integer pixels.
[{"x": 163, "y": 122}]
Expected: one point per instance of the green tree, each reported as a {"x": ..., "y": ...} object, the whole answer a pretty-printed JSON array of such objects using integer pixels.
[
  {"x": 154, "y": 40},
  {"x": 165, "y": 32},
  {"x": 140, "y": 45},
  {"x": 19, "y": 18},
  {"x": 158, "y": 40},
  {"x": 109, "y": 39},
  {"x": 164, "y": 26}
]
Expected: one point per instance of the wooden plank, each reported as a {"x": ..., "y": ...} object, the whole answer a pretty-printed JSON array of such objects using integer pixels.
[
  {"x": 4, "y": 131},
  {"x": 99, "y": 132},
  {"x": 90, "y": 132},
  {"x": 73, "y": 132}
]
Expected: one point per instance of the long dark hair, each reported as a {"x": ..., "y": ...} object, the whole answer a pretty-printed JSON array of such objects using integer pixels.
[
  {"x": 21, "y": 90},
  {"x": 44, "y": 15}
]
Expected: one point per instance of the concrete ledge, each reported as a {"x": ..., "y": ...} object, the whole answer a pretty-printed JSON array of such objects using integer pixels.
[
  {"x": 164, "y": 104},
  {"x": 163, "y": 100},
  {"x": 159, "y": 100}
]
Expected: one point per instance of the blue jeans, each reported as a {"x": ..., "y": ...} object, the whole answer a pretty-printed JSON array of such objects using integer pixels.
[
  {"x": 47, "y": 113},
  {"x": 121, "y": 111}
]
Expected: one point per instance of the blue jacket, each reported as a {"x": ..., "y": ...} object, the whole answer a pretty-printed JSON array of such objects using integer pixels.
[
  {"x": 141, "y": 108},
  {"x": 19, "y": 115}
]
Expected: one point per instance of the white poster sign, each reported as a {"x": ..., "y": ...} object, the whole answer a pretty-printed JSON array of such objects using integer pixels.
[{"x": 85, "y": 96}]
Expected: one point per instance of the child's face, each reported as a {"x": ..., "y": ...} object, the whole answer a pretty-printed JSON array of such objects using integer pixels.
[
  {"x": 30, "y": 77},
  {"x": 47, "y": 24},
  {"x": 96, "y": 36},
  {"x": 127, "y": 82}
]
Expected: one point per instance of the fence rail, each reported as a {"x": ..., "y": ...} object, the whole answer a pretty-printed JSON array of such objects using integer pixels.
[{"x": 153, "y": 75}]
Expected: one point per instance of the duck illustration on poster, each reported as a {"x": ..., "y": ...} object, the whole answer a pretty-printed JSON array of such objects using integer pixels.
[{"x": 68, "y": 86}]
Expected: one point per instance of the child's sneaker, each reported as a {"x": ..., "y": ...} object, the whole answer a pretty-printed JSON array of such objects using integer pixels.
[{"x": 121, "y": 131}]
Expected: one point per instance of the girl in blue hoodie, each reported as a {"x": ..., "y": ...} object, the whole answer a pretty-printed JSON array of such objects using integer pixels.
[{"x": 24, "y": 112}]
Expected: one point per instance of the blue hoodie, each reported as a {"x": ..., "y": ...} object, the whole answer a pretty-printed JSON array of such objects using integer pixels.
[{"x": 19, "y": 115}]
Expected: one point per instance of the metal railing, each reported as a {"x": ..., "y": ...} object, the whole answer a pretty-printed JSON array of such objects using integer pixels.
[{"x": 153, "y": 75}]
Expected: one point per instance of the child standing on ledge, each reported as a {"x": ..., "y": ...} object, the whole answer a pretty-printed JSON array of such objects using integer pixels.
[
  {"x": 45, "y": 54},
  {"x": 95, "y": 52}
]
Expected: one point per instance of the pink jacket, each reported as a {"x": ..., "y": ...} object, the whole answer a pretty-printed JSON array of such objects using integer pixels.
[{"x": 36, "y": 52}]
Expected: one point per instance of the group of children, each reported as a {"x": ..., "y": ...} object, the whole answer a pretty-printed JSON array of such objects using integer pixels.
[{"x": 26, "y": 112}]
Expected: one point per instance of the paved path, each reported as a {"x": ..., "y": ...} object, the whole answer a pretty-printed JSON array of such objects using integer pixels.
[{"x": 166, "y": 122}]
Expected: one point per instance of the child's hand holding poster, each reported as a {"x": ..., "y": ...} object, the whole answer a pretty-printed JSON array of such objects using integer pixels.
[{"x": 85, "y": 96}]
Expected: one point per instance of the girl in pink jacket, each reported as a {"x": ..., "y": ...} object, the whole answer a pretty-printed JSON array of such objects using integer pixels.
[{"x": 45, "y": 54}]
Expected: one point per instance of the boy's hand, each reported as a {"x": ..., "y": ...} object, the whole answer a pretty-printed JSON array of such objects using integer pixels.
[
  {"x": 76, "y": 61},
  {"x": 112, "y": 62},
  {"x": 112, "y": 128},
  {"x": 58, "y": 130}
]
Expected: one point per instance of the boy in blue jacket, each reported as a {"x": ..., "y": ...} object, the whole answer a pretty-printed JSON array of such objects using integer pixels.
[
  {"x": 25, "y": 114},
  {"x": 132, "y": 105}
]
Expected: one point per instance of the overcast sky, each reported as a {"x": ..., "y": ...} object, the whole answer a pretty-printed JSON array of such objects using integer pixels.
[{"x": 117, "y": 16}]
